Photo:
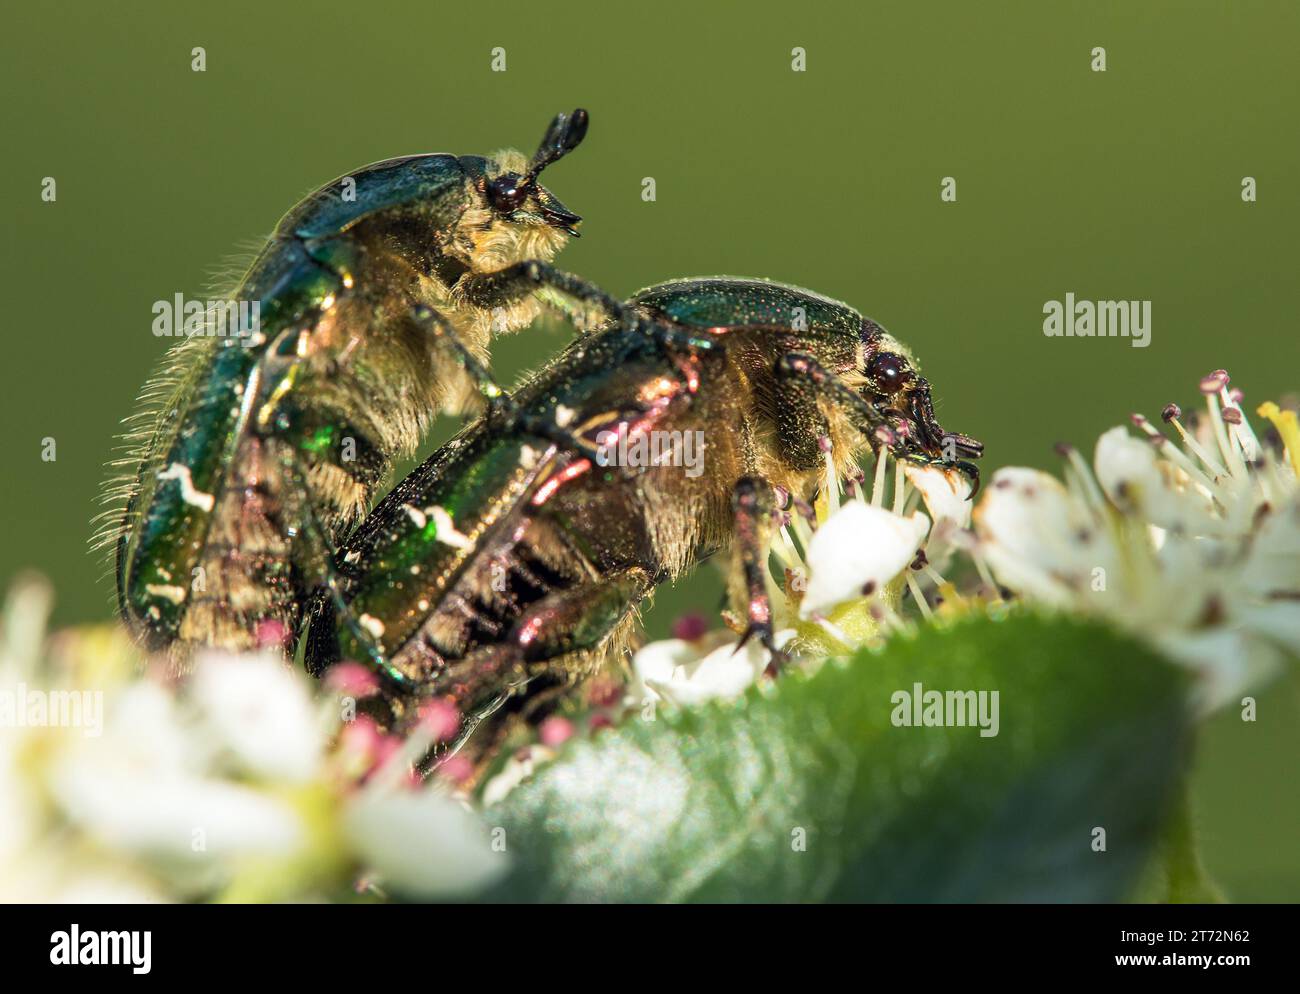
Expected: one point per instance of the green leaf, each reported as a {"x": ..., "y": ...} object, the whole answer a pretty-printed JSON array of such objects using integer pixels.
[{"x": 712, "y": 804}]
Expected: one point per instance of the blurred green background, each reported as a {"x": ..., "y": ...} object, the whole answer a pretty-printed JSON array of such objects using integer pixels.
[{"x": 1122, "y": 184}]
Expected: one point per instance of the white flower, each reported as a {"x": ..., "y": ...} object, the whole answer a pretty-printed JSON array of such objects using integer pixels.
[
  {"x": 260, "y": 714},
  {"x": 20, "y": 823},
  {"x": 1194, "y": 547},
  {"x": 857, "y": 551},
  {"x": 222, "y": 787},
  {"x": 1040, "y": 538},
  {"x": 945, "y": 491},
  {"x": 689, "y": 673},
  {"x": 55, "y": 876},
  {"x": 851, "y": 552},
  {"x": 422, "y": 844},
  {"x": 1136, "y": 479},
  {"x": 172, "y": 819},
  {"x": 144, "y": 789},
  {"x": 865, "y": 549}
]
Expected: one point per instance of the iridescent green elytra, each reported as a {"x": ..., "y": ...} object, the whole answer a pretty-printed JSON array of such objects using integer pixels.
[{"x": 377, "y": 294}]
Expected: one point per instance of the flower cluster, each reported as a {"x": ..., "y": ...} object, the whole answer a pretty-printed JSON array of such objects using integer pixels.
[
  {"x": 239, "y": 786},
  {"x": 1191, "y": 541}
]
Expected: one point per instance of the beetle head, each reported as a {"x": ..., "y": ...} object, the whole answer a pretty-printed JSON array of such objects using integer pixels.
[
  {"x": 517, "y": 196},
  {"x": 894, "y": 386}
]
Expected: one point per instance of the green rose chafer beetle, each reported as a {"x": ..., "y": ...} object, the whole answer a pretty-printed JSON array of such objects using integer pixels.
[
  {"x": 512, "y": 562},
  {"x": 377, "y": 297}
]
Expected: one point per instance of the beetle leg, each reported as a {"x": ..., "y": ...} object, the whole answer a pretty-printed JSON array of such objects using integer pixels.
[
  {"x": 481, "y": 737},
  {"x": 565, "y": 627},
  {"x": 552, "y": 432},
  {"x": 550, "y": 641},
  {"x": 752, "y": 504},
  {"x": 517, "y": 281},
  {"x": 804, "y": 376},
  {"x": 795, "y": 368},
  {"x": 441, "y": 331},
  {"x": 501, "y": 406},
  {"x": 800, "y": 420}
]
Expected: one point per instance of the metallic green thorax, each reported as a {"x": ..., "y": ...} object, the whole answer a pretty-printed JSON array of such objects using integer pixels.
[{"x": 728, "y": 302}]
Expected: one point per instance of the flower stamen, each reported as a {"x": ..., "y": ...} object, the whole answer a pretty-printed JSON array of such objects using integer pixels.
[
  {"x": 1082, "y": 474},
  {"x": 832, "y": 479},
  {"x": 900, "y": 489},
  {"x": 1173, "y": 452},
  {"x": 878, "y": 484},
  {"x": 918, "y": 596},
  {"x": 1212, "y": 386},
  {"x": 1215, "y": 469}
]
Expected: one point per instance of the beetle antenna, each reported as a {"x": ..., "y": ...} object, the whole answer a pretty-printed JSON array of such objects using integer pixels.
[{"x": 565, "y": 133}]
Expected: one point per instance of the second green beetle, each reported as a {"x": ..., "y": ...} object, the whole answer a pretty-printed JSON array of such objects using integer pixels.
[{"x": 513, "y": 561}]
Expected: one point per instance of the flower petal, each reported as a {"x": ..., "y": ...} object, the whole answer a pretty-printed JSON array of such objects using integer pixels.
[
  {"x": 1037, "y": 537},
  {"x": 187, "y": 824},
  {"x": 724, "y": 673},
  {"x": 859, "y": 545},
  {"x": 946, "y": 492},
  {"x": 422, "y": 843},
  {"x": 1138, "y": 482},
  {"x": 261, "y": 714},
  {"x": 1272, "y": 568},
  {"x": 1226, "y": 663}
]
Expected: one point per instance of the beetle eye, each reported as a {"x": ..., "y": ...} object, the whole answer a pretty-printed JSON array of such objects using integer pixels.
[
  {"x": 506, "y": 193},
  {"x": 888, "y": 371}
]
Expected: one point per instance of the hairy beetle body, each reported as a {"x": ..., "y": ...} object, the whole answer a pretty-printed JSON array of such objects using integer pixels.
[{"x": 376, "y": 297}]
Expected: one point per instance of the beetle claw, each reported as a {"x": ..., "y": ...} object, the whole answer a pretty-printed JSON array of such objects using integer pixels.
[{"x": 778, "y": 658}]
